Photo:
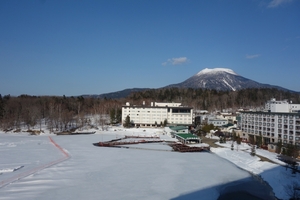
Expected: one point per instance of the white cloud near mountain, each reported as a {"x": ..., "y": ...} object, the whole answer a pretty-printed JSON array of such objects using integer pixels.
[
  {"x": 176, "y": 61},
  {"x": 252, "y": 56},
  {"x": 275, "y": 3}
]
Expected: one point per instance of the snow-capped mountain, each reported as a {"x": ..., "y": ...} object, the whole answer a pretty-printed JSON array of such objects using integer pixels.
[
  {"x": 214, "y": 79},
  {"x": 220, "y": 79}
]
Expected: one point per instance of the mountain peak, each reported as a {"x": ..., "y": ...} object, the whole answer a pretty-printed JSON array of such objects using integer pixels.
[{"x": 215, "y": 71}]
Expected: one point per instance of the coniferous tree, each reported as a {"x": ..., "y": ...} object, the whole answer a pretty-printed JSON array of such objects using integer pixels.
[
  {"x": 127, "y": 122},
  {"x": 279, "y": 147},
  {"x": 259, "y": 140},
  {"x": 112, "y": 114},
  {"x": 165, "y": 122},
  {"x": 238, "y": 139},
  {"x": 119, "y": 115}
]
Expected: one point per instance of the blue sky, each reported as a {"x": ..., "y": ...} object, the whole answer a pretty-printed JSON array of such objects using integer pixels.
[{"x": 93, "y": 47}]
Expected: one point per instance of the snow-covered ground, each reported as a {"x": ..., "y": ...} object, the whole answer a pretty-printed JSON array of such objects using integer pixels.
[
  {"x": 276, "y": 175},
  {"x": 71, "y": 167}
]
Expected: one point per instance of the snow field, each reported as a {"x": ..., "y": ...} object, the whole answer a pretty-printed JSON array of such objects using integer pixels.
[{"x": 114, "y": 173}]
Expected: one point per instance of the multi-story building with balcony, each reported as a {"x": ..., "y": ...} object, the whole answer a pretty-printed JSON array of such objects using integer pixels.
[
  {"x": 157, "y": 113},
  {"x": 280, "y": 121}
]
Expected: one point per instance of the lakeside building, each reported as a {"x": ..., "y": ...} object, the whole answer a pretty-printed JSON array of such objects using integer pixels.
[
  {"x": 279, "y": 122},
  {"x": 156, "y": 114},
  {"x": 217, "y": 121}
]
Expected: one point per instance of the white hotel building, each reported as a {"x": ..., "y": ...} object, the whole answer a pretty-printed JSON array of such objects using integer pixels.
[
  {"x": 280, "y": 121},
  {"x": 157, "y": 113}
]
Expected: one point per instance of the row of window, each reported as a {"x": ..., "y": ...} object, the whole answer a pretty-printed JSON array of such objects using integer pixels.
[
  {"x": 264, "y": 128},
  {"x": 144, "y": 111},
  {"x": 272, "y": 116},
  {"x": 279, "y": 121},
  {"x": 291, "y": 137}
]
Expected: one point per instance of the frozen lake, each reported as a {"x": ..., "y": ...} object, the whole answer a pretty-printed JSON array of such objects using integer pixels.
[{"x": 89, "y": 172}]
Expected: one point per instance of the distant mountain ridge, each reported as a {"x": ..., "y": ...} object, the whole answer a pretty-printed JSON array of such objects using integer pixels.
[
  {"x": 118, "y": 94},
  {"x": 221, "y": 79}
]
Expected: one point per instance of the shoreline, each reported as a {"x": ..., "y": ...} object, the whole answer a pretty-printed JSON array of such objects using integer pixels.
[{"x": 255, "y": 176}]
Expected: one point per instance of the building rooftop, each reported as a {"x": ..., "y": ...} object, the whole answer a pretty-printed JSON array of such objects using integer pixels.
[
  {"x": 187, "y": 136},
  {"x": 178, "y": 128}
]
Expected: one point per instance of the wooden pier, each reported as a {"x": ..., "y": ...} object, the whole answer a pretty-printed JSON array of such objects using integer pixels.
[
  {"x": 185, "y": 148},
  {"x": 117, "y": 143}
]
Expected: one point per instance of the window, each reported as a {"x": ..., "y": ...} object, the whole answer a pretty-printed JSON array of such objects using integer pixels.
[
  {"x": 291, "y": 121},
  {"x": 279, "y": 120},
  {"x": 279, "y": 125}
]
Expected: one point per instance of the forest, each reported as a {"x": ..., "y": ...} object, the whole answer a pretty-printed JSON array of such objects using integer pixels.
[{"x": 60, "y": 113}]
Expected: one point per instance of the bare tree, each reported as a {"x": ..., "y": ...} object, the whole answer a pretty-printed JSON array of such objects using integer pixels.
[{"x": 293, "y": 190}]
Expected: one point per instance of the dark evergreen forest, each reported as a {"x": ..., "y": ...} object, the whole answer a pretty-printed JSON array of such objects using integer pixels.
[{"x": 61, "y": 112}]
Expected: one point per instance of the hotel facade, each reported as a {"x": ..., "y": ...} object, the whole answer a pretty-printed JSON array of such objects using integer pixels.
[
  {"x": 157, "y": 113},
  {"x": 280, "y": 121}
]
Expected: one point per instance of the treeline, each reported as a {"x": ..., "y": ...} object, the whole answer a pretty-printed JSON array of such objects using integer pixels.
[
  {"x": 63, "y": 113},
  {"x": 57, "y": 113},
  {"x": 212, "y": 100}
]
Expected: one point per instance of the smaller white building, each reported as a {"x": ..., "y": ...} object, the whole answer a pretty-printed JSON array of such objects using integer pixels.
[
  {"x": 217, "y": 121},
  {"x": 281, "y": 106}
]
